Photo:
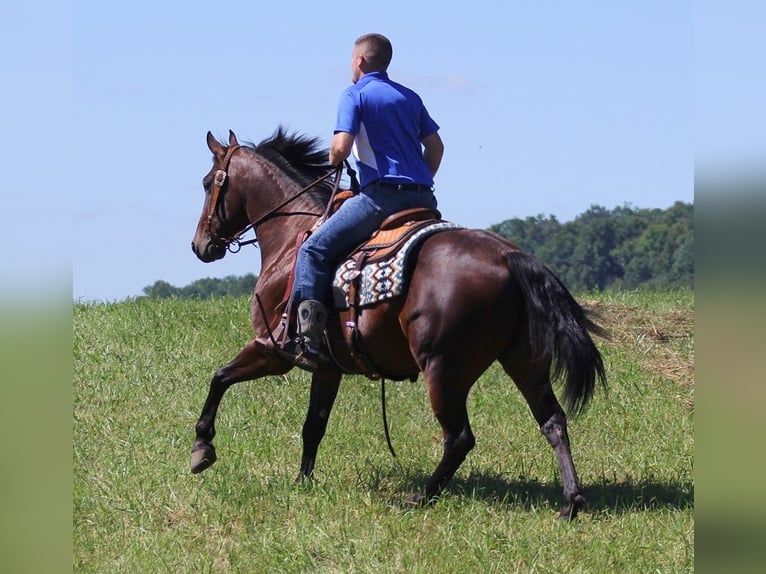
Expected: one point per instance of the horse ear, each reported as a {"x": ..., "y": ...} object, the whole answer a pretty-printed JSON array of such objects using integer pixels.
[
  {"x": 214, "y": 145},
  {"x": 232, "y": 139}
]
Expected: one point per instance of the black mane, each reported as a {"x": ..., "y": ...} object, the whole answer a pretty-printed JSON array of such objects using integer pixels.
[{"x": 301, "y": 157}]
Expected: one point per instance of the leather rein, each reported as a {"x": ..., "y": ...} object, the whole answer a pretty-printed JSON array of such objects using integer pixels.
[{"x": 234, "y": 243}]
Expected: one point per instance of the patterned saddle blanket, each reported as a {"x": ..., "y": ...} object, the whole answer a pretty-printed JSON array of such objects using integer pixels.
[{"x": 383, "y": 264}]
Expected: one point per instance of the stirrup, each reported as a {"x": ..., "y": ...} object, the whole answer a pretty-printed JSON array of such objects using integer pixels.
[
  {"x": 303, "y": 350},
  {"x": 302, "y": 356}
]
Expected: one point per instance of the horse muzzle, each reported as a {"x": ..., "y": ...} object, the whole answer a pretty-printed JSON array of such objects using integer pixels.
[{"x": 207, "y": 251}]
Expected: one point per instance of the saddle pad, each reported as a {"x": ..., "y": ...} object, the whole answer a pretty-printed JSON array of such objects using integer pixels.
[{"x": 383, "y": 279}]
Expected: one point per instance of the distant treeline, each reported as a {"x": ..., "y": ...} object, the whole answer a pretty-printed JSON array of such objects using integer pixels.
[
  {"x": 625, "y": 248},
  {"x": 204, "y": 288},
  {"x": 622, "y": 248}
]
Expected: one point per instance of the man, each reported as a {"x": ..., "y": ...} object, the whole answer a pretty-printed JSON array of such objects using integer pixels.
[{"x": 398, "y": 151}]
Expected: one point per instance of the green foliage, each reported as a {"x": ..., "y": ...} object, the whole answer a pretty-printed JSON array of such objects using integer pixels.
[
  {"x": 625, "y": 248},
  {"x": 141, "y": 371},
  {"x": 207, "y": 288}
]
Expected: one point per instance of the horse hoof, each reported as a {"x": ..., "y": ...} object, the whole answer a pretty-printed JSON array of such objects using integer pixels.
[
  {"x": 202, "y": 457},
  {"x": 570, "y": 510},
  {"x": 303, "y": 480},
  {"x": 417, "y": 499}
]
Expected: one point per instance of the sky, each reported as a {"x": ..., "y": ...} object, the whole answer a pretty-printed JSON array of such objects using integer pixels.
[{"x": 546, "y": 108}]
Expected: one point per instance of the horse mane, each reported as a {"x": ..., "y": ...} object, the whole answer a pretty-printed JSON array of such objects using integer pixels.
[{"x": 301, "y": 157}]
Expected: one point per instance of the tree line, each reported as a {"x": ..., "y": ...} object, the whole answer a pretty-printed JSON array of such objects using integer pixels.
[
  {"x": 206, "y": 288},
  {"x": 622, "y": 248}
]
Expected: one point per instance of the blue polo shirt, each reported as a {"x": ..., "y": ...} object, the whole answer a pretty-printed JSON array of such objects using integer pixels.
[{"x": 388, "y": 122}]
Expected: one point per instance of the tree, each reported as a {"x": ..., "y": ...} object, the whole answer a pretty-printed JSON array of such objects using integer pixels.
[
  {"x": 161, "y": 290},
  {"x": 594, "y": 265},
  {"x": 206, "y": 288},
  {"x": 623, "y": 248}
]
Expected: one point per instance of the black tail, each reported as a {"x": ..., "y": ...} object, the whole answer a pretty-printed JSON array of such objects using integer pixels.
[{"x": 559, "y": 330}]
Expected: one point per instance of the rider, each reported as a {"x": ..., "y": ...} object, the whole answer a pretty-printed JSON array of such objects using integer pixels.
[{"x": 397, "y": 149}]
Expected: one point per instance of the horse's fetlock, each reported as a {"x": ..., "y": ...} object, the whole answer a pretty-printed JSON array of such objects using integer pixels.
[{"x": 205, "y": 434}]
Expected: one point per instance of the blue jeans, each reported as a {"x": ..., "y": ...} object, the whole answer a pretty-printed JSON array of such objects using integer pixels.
[{"x": 357, "y": 218}]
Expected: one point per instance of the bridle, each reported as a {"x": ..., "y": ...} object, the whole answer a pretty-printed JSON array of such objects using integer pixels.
[
  {"x": 234, "y": 243},
  {"x": 218, "y": 182}
]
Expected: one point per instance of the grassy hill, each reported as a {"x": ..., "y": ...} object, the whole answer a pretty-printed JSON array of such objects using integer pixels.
[{"x": 141, "y": 373}]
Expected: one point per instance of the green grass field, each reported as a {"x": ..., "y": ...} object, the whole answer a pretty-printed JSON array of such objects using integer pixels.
[{"x": 141, "y": 374}]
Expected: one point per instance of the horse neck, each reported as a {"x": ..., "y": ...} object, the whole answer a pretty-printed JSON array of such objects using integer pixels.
[
  {"x": 279, "y": 239},
  {"x": 278, "y": 234}
]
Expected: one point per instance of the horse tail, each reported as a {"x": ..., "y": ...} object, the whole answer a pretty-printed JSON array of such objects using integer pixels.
[{"x": 559, "y": 330}]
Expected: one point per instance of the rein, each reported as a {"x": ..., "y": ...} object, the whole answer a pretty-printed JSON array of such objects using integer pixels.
[
  {"x": 235, "y": 240},
  {"x": 234, "y": 243}
]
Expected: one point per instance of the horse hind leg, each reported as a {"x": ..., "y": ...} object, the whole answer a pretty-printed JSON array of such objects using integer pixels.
[
  {"x": 448, "y": 399},
  {"x": 535, "y": 386},
  {"x": 555, "y": 430}
]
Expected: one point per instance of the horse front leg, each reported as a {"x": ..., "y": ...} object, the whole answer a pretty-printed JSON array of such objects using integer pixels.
[
  {"x": 324, "y": 389},
  {"x": 251, "y": 363}
]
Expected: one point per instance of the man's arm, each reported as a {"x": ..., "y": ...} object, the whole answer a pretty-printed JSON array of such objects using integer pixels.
[
  {"x": 433, "y": 152},
  {"x": 340, "y": 147}
]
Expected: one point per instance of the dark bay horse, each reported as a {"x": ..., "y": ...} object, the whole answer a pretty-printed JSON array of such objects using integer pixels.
[{"x": 473, "y": 298}]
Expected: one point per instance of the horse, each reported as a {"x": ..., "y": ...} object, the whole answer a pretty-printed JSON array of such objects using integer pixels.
[{"x": 472, "y": 298}]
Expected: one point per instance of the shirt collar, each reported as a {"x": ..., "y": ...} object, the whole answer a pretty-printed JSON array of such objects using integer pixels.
[{"x": 370, "y": 76}]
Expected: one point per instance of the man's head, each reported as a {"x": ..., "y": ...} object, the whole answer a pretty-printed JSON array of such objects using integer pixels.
[{"x": 372, "y": 53}]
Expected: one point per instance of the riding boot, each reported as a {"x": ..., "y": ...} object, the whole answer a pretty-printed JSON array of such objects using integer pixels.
[
  {"x": 305, "y": 349},
  {"x": 312, "y": 320}
]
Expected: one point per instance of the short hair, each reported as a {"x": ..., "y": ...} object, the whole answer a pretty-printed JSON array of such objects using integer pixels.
[{"x": 377, "y": 50}]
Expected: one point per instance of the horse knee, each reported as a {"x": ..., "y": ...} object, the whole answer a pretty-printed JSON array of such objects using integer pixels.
[
  {"x": 222, "y": 379},
  {"x": 219, "y": 376}
]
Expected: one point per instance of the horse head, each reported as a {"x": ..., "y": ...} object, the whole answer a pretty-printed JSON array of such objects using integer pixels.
[{"x": 223, "y": 215}]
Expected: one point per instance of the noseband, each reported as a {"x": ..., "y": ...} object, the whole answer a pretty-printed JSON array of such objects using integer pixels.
[{"x": 234, "y": 243}]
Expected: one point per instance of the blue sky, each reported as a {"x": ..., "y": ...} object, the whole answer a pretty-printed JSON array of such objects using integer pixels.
[{"x": 545, "y": 108}]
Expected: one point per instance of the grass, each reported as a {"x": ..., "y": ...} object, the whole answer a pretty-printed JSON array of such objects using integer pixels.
[{"x": 141, "y": 373}]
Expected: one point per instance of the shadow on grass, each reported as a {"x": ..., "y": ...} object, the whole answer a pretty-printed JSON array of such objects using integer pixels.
[{"x": 529, "y": 493}]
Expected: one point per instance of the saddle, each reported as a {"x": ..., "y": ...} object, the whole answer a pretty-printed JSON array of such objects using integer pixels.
[{"x": 394, "y": 230}]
